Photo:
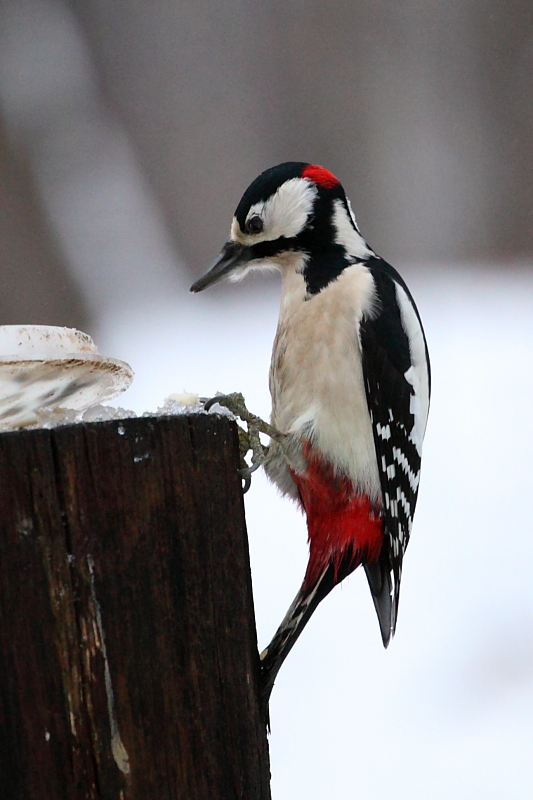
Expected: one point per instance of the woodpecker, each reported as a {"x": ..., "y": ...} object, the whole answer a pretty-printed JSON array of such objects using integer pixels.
[{"x": 350, "y": 386}]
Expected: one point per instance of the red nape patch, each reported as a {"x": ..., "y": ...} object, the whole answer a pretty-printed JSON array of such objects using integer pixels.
[
  {"x": 320, "y": 175},
  {"x": 340, "y": 524}
]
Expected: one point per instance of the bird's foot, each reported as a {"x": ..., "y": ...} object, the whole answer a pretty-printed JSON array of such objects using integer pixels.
[{"x": 248, "y": 439}]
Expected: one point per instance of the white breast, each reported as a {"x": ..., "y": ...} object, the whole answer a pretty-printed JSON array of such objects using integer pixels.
[{"x": 316, "y": 377}]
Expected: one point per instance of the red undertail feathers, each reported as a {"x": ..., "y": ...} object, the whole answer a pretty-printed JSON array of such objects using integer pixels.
[{"x": 342, "y": 526}]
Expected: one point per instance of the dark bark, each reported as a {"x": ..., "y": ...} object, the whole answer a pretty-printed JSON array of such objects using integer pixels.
[{"x": 128, "y": 655}]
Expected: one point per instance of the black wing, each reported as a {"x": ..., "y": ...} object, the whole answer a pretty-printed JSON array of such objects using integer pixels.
[{"x": 387, "y": 357}]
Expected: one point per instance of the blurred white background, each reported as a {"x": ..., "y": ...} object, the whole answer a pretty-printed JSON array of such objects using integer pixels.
[{"x": 128, "y": 133}]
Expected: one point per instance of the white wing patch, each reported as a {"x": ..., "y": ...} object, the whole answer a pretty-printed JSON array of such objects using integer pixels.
[{"x": 417, "y": 374}]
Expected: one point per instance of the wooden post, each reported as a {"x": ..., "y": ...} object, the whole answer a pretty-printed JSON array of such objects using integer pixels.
[{"x": 128, "y": 655}]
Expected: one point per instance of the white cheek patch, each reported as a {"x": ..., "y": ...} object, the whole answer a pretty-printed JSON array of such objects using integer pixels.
[{"x": 285, "y": 213}]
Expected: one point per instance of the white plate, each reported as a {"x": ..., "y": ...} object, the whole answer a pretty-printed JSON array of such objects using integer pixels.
[{"x": 47, "y": 368}]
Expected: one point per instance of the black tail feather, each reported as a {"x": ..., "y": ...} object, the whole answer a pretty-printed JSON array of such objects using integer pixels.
[{"x": 384, "y": 596}]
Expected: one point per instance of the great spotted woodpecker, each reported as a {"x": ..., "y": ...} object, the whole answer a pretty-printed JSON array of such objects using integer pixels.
[{"x": 350, "y": 386}]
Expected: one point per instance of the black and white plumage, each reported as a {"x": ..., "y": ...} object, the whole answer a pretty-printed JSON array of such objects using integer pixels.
[
  {"x": 350, "y": 386},
  {"x": 397, "y": 382}
]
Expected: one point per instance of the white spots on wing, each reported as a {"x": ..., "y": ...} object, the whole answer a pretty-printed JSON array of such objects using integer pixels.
[
  {"x": 346, "y": 235},
  {"x": 400, "y": 537},
  {"x": 401, "y": 460},
  {"x": 383, "y": 431},
  {"x": 398, "y": 503},
  {"x": 389, "y": 470},
  {"x": 405, "y": 503},
  {"x": 402, "y": 500},
  {"x": 417, "y": 374},
  {"x": 399, "y": 542}
]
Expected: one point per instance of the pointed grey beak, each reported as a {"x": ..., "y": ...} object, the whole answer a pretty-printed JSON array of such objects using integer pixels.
[{"x": 232, "y": 255}]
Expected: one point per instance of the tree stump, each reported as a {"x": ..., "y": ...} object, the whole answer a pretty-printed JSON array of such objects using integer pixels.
[{"x": 128, "y": 652}]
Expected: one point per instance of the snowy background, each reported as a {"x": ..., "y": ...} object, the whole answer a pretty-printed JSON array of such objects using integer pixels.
[{"x": 128, "y": 133}]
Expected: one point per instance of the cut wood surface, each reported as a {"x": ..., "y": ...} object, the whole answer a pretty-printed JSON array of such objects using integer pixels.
[{"x": 128, "y": 654}]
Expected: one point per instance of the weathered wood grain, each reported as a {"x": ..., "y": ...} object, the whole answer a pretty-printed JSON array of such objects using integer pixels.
[{"x": 128, "y": 655}]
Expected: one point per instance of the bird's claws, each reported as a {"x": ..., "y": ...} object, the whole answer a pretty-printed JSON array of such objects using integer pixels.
[
  {"x": 209, "y": 402},
  {"x": 246, "y": 472},
  {"x": 248, "y": 439}
]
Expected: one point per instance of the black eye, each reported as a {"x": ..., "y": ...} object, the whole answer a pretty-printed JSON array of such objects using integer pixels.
[{"x": 254, "y": 224}]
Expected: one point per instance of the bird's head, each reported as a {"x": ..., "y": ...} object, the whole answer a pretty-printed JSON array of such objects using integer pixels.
[{"x": 292, "y": 214}]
